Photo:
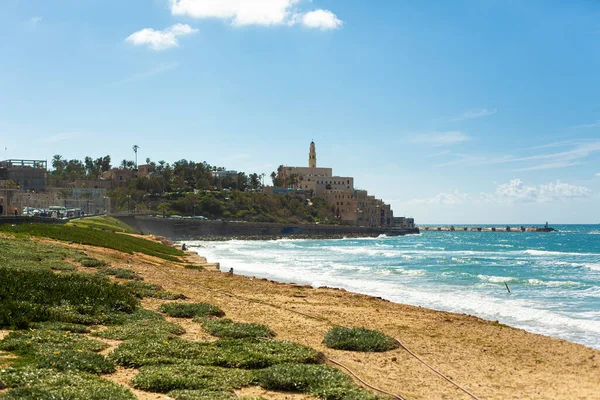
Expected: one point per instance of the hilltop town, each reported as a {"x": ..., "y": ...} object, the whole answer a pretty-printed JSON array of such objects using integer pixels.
[{"x": 189, "y": 189}]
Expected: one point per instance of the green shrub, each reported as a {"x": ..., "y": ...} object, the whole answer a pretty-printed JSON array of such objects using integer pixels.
[
  {"x": 59, "y": 326},
  {"x": 165, "y": 378},
  {"x": 144, "y": 289},
  {"x": 59, "y": 266},
  {"x": 121, "y": 273},
  {"x": 226, "y": 328},
  {"x": 189, "y": 310},
  {"x": 231, "y": 353},
  {"x": 359, "y": 339},
  {"x": 142, "y": 324},
  {"x": 47, "y": 384},
  {"x": 91, "y": 262},
  {"x": 319, "y": 380}
]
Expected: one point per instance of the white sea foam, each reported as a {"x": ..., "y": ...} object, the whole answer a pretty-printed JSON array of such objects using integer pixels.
[
  {"x": 384, "y": 271},
  {"x": 556, "y": 253},
  {"x": 594, "y": 233}
]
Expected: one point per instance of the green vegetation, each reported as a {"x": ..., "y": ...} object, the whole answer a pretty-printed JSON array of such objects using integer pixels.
[
  {"x": 143, "y": 289},
  {"x": 120, "y": 273},
  {"x": 94, "y": 237},
  {"x": 206, "y": 395},
  {"x": 232, "y": 353},
  {"x": 142, "y": 324},
  {"x": 35, "y": 295},
  {"x": 190, "y": 310},
  {"x": 25, "y": 253},
  {"x": 110, "y": 224},
  {"x": 163, "y": 378},
  {"x": 226, "y": 328},
  {"x": 47, "y": 384},
  {"x": 319, "y": 380},
  {"x": 59, "y": 326},
  {"x": 90, "y": 262},
  {"x": 197, "y": 267},
  {"x": 58, "y": 350},
  {"x": 359, "y": 339}
]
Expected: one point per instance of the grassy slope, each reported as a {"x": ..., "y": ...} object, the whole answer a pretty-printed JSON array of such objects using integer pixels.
[
  {"x": 95, "y": 232},
  {"x": 55, "y": 362}
]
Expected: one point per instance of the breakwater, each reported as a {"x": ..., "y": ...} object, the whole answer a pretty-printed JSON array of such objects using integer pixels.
[
  {"x": 188, "y": 229},
  {"x": 505, "y": 228}
]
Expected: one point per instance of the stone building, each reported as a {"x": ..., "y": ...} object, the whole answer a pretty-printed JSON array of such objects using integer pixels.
[
  {"x": 27, "y": 174},
  {"x": 351, "y": 206}
]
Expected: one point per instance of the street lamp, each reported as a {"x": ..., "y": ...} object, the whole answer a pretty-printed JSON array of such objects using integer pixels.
[{"x": 194, "y": 207}]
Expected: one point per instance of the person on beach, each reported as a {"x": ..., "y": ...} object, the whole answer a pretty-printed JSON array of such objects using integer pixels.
[{"x": 183, "y": 247}]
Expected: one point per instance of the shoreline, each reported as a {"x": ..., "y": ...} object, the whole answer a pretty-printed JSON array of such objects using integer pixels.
[
  {"x": 493, "y": 360},
  {"x": 541, "y": 327}
]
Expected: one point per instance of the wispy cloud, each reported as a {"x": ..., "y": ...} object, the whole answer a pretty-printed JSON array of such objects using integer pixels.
[
  {"x": 472, "y": 114},
  {"x": 256, "y": 12},
  {"x": 598, "y": 174},
  {"x": 61, "y": 137},
  {"x": 438, "y": 139},
  {"x": 587, "y": 126},
  {"x": 35, "y": 20},
  {"x": 576, "y": 153},
  {"x": 154, "y": 71},
  {"x": 160, "y": 40}
]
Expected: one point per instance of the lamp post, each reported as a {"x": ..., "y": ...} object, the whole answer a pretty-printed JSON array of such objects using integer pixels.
[{"x": 194, "y": 208}]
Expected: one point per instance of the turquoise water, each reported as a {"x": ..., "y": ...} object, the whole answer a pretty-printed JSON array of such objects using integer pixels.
[{"x": 554, "y": 278}]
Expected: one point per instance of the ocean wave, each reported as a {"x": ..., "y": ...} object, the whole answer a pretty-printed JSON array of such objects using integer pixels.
[
  {"x": 594, "y": 233},
  {"x": 497, "y": 279},
  {"x": 556, "y": 253}
]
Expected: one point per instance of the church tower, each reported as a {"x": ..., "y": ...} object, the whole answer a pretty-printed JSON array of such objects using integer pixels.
[{"x": 312, "y": 156}]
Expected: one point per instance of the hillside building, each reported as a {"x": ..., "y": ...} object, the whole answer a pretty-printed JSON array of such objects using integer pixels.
[{"x": 351, "y": 206}]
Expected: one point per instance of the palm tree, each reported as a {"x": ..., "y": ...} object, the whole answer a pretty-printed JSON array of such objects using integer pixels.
[{"x": 135, "y": 149}]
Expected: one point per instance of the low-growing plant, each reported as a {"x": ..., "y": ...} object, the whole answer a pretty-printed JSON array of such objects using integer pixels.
[
  {"x": 319, "y": 380},
  {"x": 91, "y": 262},
  {"x": 231, "y": 353},
  {"x": 165, "y": 378},
  {"x": 38, "y": 294},
  {"x": 59, "y": 266},
  {"x": 196, "y": 267},
  {"x": 58, "y": 350},
  {"x": 121, "y": 273},
  {"x": 144, "y": 289},
  {"x": 359, "y": 339},
  {"x": 190, "y": 310},
  {"x": 206, "y": 395},
  {"x": 59, "y": 326},
  {"x": 142, "y": 324},
  {"x": 226, "y": 328},
  {"x": 48, "y": 384}
]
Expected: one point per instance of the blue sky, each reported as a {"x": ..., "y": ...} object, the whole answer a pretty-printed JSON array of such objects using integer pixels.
[{"x": 453, "y": 111}]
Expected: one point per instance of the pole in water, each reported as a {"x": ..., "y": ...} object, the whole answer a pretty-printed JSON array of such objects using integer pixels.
[{"x": 506, "y": 284}]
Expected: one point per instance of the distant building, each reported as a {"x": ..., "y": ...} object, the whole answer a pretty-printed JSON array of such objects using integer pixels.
[
  {"x": 350, "y": 206},
  {"x": 27, "y": 174}
]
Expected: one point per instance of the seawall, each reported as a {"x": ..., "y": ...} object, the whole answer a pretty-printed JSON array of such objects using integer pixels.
[{"x": 186, "y": 229}]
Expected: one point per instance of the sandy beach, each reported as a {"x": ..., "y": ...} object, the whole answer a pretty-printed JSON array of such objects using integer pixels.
[{"x": 490, "y": 360}]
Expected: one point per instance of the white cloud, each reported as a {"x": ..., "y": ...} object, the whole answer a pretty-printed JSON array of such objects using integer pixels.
[
  {"x": 598, "y": 174},
  {"x": 255, "y": 12},
  {"x": 517, "y": 191},
  {"x": 439, "y": 138},
  {"x": 451, "y": 199},
  {"x": 472, "y": 114},
  {"x": 35, "y": 20},
  {"x": 587, "y": 126},
  {"x": 322, "y": 19},
  {"x": 160, "y": 40}
]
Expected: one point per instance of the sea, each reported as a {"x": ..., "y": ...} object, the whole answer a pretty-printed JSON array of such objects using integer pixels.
[{"x": 554, "y": 277}]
